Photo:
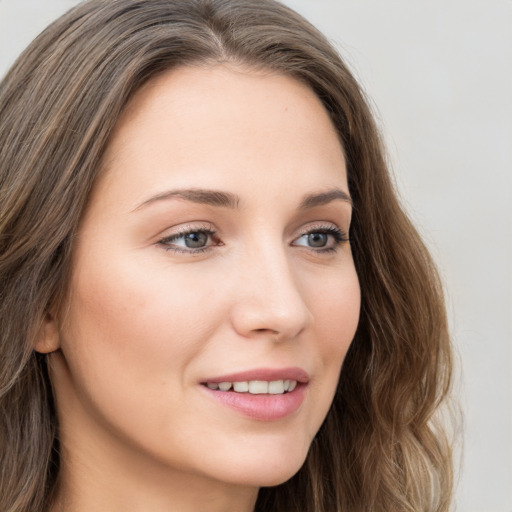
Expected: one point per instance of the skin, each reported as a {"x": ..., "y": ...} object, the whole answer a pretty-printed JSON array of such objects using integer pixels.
[{"x": 147, "y": 320}]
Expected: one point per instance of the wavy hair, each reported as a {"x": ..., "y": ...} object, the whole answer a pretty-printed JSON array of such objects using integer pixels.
[{"x": 381, "y": 447}]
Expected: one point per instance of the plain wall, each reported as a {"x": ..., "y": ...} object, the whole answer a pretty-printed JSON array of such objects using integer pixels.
[{"x": 440, "y": 74}]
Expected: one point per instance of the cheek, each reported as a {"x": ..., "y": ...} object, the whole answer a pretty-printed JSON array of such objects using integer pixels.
[
  {"x": 130, "y": 333},
  {"x": 134, "y": 306},
  {"x": 336, "y": 308},
  {"x": 335, "y": 311}
]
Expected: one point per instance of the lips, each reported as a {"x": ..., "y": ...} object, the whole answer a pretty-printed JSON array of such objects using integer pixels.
[{"x": 263, "y": 394}]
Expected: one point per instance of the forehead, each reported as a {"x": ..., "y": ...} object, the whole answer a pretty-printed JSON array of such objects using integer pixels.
[{"x": 196, "y": 126}]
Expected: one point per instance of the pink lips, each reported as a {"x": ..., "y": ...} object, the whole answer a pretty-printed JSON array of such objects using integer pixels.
[{"x": 264, "y": 407}]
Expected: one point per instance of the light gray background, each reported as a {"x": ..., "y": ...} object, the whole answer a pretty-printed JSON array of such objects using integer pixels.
[{"x": 440, "y": 73}]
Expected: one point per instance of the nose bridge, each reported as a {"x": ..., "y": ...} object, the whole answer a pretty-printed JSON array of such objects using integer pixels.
[{"x": 269, "y": 298}]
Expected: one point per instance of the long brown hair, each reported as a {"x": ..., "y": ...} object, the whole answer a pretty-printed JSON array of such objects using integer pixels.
[{"x": 380, "y": 447}]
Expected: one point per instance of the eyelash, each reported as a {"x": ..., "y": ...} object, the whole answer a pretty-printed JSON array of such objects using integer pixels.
[
  {"x": 189, "y": 231},
  {"x": 339, "y": 237}
]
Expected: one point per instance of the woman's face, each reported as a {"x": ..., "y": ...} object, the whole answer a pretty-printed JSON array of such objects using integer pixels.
[{"x": 213, "y": 250}]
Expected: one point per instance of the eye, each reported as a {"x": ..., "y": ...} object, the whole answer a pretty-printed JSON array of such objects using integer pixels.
[
  {"x": 191, "y": 240},
  {"x": 322, "y": 239},
  {"x": 317, "y": 239},
  {"x": 195, "y": 240}
]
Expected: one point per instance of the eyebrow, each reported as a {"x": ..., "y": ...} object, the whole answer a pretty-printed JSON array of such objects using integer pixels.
[
  {"x": 197, "y": 195},
  {"x": 229, "y": 200},
  {"x": 322, "y": 198}
]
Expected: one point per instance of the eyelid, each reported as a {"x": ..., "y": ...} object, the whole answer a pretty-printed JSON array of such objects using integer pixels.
[
  {"x": 183, "y": 230},
  {"x": 318, "y": 225},
  {"x": 328, "y": 227},
  {"x": 340, "y": 236}
]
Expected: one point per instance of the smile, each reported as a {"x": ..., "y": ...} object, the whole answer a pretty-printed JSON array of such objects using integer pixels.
[
  {"x": 262, "y": 394},
  {"x": 256, "y": 387}
]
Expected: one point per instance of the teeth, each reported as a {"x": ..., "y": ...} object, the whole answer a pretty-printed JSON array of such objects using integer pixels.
[
  {"x": 276, "y": 387},
  {"x": 256, "y": 387},
  {"x": 241, "y": 387}
]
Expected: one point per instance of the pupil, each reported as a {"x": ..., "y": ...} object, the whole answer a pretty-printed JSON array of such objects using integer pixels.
[
  {"x": 196, "y": 240},
  {"x": 317, "y": 239}
]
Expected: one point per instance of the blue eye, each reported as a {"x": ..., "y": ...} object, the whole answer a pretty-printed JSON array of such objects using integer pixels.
[
  {"x": 322, "y": 239},
  {"x": 193, "y": 240},
  {"x": 317, "y": 239}
]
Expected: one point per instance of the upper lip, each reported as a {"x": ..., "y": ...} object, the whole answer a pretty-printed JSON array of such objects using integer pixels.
[{"x": 266, "y": 374}]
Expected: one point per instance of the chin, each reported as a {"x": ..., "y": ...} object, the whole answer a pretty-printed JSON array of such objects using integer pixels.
[
  {"x": 278, "y": 478},
  {"x": 270, "y": 471}
]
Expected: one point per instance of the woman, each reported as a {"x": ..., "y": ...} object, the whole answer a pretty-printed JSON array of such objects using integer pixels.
[{"x": 198, "y": 233}]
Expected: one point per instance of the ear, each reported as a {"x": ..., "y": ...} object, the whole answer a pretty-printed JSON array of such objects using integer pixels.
[{"x": 48, "y": 339}]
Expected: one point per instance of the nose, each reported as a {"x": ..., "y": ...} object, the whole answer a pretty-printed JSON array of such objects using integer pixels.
[{"x": 270, "y": 301}]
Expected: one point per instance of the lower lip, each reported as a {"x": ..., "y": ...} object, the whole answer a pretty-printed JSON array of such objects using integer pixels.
[{"x": 262, "y": 407}]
